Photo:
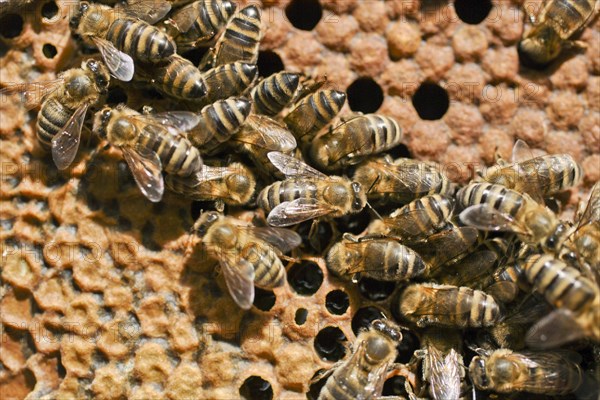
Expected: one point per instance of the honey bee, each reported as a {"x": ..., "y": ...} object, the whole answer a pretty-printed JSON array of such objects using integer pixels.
[
  {"x": 429, "y": 304},
  {"x": 380, "y": 258},
  {"x": 313, "y": 112},
  {"x": 538, "y": 176},
  {"x": 200, "y": 21},
  {"x": 442, "y": 364},
  {"x": 362, "y": 375},
  {"x": 556, "y": 22},
  {"x": 242, "y": 36},
  {"x": 355, "y": 139},
  {"x": 228, "y": 80},
  {"x": 577, "y": 300},
  {"x": 150, "y": 144},
  {"x": 402, "y": 180},
  {"x": 64, "y": 105},
  {"x": 122, "y": 31},
  {"x": 232, "y": 184},
  {"x": 248, "y": 255},
  {"x": 175, "y": 77},
  {"x": 496, "y": 208},
  {"x": 274, "y": 93},
  {"x": 307, "y": 193},
  {"x": 219, "y": 121},
  {"x": 506, "y": 371}
]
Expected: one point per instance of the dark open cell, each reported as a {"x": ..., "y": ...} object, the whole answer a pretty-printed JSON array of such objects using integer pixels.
[
  {"x": 364, "y": 95},
  {"x": 305, "y": 278},
  {"x": 301, "y": 315},
  {"x": 30, "y": 380},
  {"x": 11, "y": 26},
  {"x": 304, "y": 14},
  {"x": 49, "y": 10},
  {"x": 355, "y": 223},
  {"x": 264, "y": 299},
  {"x": 49, "y": 50},
  {"x": 256, "y": 388},
  {"x": 363, "y": 318},
  {"x": 3, "y": 48},
  {"x": 337, "y": 302},
  {"x": 116, "y": 95},
  {"x": 329, "y": 344},
  {"x": 400, "y": 151},
  {"x": 395, "y": 387},
  {"x": 408, "y": 345},
  {"x": 431, "y": 101},
  {"x": 320, "y": 238},
  {"x": 472, "y": 11},
  {"x": 269, "y": 63},
  {"x": 375, "y": 290}
]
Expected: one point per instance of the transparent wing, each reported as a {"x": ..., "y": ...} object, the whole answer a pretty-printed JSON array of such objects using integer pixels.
[
  {"x": 292, "y": 167},
  {"x": 179, "y": 120},
  {"x": 146, "y": 168},
  {"x": 150, "y": 11},
  {"x": 410, "y": 224},
  {"x": 446, "y": 246},
  {"x": 472, "y": 268},
  {"x": 357, "y": 128},
  {"x": 556, "y": 367},
  {"x": 184, "y": 18},
  {"x": 239, "y": 277},
  {"x": 120, "y": 64},
  {"x": 284, "y": 239},
  {"x": 503, "y": 291},
  {"x": 302, "y": 118},
  {"x": 487, "y": 218},
  {"x": 294, "y": 212},
  {"x": 554, "y": 330},
  {"x": 266, "y": 133},
  {"x": 445, "y": 374},
  {"x": 309, "y": 85},
  {"x": 591, "y": 212},
  {"x": 66, "y": 143},
  {"x": 31, "y": 94},
  {"x": 410, "y": 176},
  {"x": 521, "y": 152}
]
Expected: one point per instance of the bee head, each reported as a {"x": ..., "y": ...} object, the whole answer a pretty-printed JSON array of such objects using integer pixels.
[
  {"x": 388, "y": 329},
  {"x": 240, "y": 185},
  {"x": 100, "y": 73},
  {"x": 205, "y": 221},
  {"x": 478, "y": 373},
  {"x": 539, "y": 47},
  {"x": 84, "y": 6},
  {"x": 101, "y": 120},
  {"x": 557, "y": 238},
  {"x": 359, "y": 197}
]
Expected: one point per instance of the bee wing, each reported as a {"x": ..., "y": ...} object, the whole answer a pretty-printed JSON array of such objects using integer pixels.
[
  {"x": 181, "y": 121},
  {"x": 266, "y": 133},
  {"x": 591, "y": 213},
  {"x": 294, "y": 212},
  {"x": 521, "y": 152},
  {"x": 120, "y": 64},
  {"x": 472, "y": 267},
  {"x": 66, "y": 142},
  {"x": 146, "y": 168},
  {"x": 412, "y": 177},
  {"x": 487, "y": 218},
  {"x": 445, "y": 374},
  {"x": 408, "y": 224},
  {"x": 503, "y": 291},
  {"x": 554, "y": 330},
  {"x": 150, "y": 11},
  {"x": 447, "y": 245},
  {"x": 362, "y": 145},
  {"x": 292, "y": 167},
  {"x": 239, "y": 277},
  {"x": 301, "y": 118},
  {"x": 308, "y": 86},
  {"x": 184, "y": 18},
  {"x": 32, "y": 94},
  {"x": 284, "y": 239}
]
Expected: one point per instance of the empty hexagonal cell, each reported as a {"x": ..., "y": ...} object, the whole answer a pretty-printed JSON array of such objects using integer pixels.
[
  {"x": 431, "y": 101},
  {"x": 337, "y": 302},
  {"x": 364, "y": 95},
  {"x": 304, "y": 14},
  {"x": 375, "y": 290},
  {"x": 364, "y": 316},
  {"x": 329, "y": 344},
  {"x": 49, "y": 10},
  {"x": 256, "y": 388},
  {"x": 395, "y": 387},
  {"x": 305, "y": 278},
  {"x": 11, "y": 26},
  {"x": 472, "y": 11},
  {"x": 300, "y": 316},
  {"x": 264, "y": 299},
  {"x": 269, "y": 63},
  {"x": 49, "y": 50}
]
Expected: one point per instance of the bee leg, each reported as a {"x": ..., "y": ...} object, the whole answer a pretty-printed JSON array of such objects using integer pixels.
[
  {"x": 219, "y": 206},
  {"x": 290, "y": 259},
  {"x": 575, "y": 45}
]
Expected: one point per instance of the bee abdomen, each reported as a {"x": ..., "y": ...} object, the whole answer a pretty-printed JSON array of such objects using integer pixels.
[
  {"x": 385, "y": 132},
  {"x": 181, "y": 79},
  {"x": 228, "y": 80},
  {"x": 484, "y": 309},
  {"x": 274, "y": 93},
  {"x": 52, "y": 117},
  {"x": 241, "y": 38},
  {"x": 283, "y": 191},
  {"x": 138, "y": 38},
  {"x": 212, "y": 15},
  {"x": 269, "y": 272},
  {"x": 220, "y": 121},
  {"x": 178, "y": 156},
  {"x": 401, "y": 263},
  {"x": 324, "y": 105},
  {"x": 496, "y": 196},
  {"x": 563, "y": 286},
  {"x": 569, "y": 15}
]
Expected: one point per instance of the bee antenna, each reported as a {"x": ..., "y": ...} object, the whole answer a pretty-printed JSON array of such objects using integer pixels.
[
  {"x": 374, "y": 211},
  {"x": 373, "y": 184}
]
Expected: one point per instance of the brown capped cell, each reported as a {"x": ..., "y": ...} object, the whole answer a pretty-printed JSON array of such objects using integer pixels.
[
  {"x": 152, "y": 363},
  {"x": 591, "y": 167},
  {"x": 571, "y": 74},
  {"x": 434, "y": 60},
  {"x": 465, "y": 122},
  {"x": 494, "y": 141},
  {"x": 336, "y": 31},
  {"x": 529, "y": 125},
  {"x": 402, "y": 78},
  {"x": 182, "y": 333},
  {"x": 369, "y": 54},
  {"x": 565, "y": 109},
  {"x": 557, "y": 142},
  {"x": 470, "y": 42},
  {"x": 589, "y": 126},
  {"x": 371, "y": 16},
  {"x": 16, "y": 308},
  {"x": 466, "y": 83},
  {"x": 593, "y": 93},
  {"x": 505, "y": 23},
  {"x": 185, "y": 382},
  {"x": 296, "y": 374},
  {"x": 403, "y": 38},
  {"x": 429, "y": 139},
  {"x": 77, "y": 355},
  {"x": 153, "y": 317},
  {"x": 502, "y": 64},
  {"x": 498, "y": 103},
  {"x": 50, "y": 295},
  {"x": 109, "y": 382}
]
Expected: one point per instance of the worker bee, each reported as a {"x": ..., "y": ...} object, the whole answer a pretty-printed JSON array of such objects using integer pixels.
[
  {"x": 228, "y": 80},
  {"x": 442, "y": 364},
  {"x": 248, "y": 255},
  {"x": 355, "y": 139},
  {"x": 219, "y": 121},
  {"x": 121, "y": 31},
  {"x": 232, "y": 184},
  {"x": 274, "y": 93},
  {"x": 380, "y": 258},
  {"x": 307, "y": 193},
  {"x": 150, "y": 144},
  {"x": 556, "y": 22},
  {"x": 402, "y": 180},
  {"x": 429, "y": 304},
  {"x": 506, "y": 371},
  {"x": 65, "y": 102},
  {"x": 313, "y": 112},
  {"x": 577, "y": 300},
  {"x": 199, "y": 22},
  {"x": 496, "y": 208},
  {"x": 362, "y": 375},
  {"x": 240, "y": 41},
  {"x": 537, "y": 176}
]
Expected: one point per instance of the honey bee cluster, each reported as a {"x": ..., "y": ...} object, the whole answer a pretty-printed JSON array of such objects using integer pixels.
[{"x": 493, "y": 293}]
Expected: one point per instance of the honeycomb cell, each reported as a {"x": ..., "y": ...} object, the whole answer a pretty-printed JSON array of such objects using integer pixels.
[
  {"x": 256, "y": 388},
  {"x": 269, "y": 63},
  {"x": 472, "y": 11},
  {"x": 431, "y": 101},
  {"x": 264, "y": 300},
  {"x": 11, "y": 26},
  {"x": 300, "y": 316},
  {"x": 364, "y": 316},
  {"x": 304, "y": 14},
  {"x": 375, "y": 290},
  {"x": 305, "y": 278},
  {"x": 329, "y": 344},
  {"x": 394, "y": 386},
  {"x": 49, "y": 10},
  {"x": 364, "y": 95},
  {"x": 337, "y": 302}
]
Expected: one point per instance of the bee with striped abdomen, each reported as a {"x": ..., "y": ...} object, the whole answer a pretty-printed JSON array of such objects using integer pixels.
[
  {"x": 353, "y": 140},
  {"x": 248, "y": 255},
  {"x": 363, "y": 374},
  {"x": 506, "y": 371},
  {"x": 307, "y": 193},
  {"x": 64, "y": 105},
  {"x": 429, "y": 304},
  {"x": 554, "y": 25},
  {"x": 119, "y": 32},
  {"x": 271, "y": 95},
  {"x": 151, "y": 143},
  {"x": 228, "y": 80},
  {"x": 312, "y": 112},
  {"x": 242, "y": 36}
]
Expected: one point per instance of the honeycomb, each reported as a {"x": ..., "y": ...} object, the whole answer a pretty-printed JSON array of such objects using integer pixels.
[{"x": 100, "y": 297}]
